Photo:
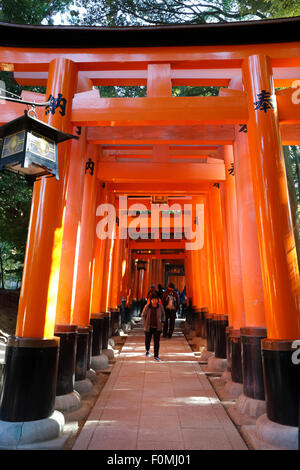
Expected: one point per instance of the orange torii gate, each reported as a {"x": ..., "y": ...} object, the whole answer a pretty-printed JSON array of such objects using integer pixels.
[{"x": 224, "y": 151}]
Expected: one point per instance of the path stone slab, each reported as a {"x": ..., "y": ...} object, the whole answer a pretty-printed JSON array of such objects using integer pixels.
[{"x": 149, "y": 405}]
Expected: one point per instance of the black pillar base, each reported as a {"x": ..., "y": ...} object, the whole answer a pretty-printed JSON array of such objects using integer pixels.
[
  {"x": 97, "y": 322},
  {"x": 29, "y": 379},
  {"x": 281, "y": 381},
  {"x": 236, "y": 356},
  {"x": 82, "y": 353},
  {"x": 134, "y": 308},
  {"x": 204, "y": 311},
  {"x": 228, "y": 331},
  {"x": 197, "y": 321},
  {"x": 253, "y": 379},
  {"x": 209, "y": 332},
  {"x": 220, "y": 322},
  {"x": 105, "y": 330},
  {"x": 114, "y": 319},
  {"x": 67, "y": 358},
  {"x": 189, "y": 315},
  {"x": 90, "y": 346}
]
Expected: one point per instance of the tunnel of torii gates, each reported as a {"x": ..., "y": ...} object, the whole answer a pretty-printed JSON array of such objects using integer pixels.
[{"x": 222, "y": 153}]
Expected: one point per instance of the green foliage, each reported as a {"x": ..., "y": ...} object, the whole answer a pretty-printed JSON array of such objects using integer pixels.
[
  {"x": 122, "y": 91},
  {"x": 31, "y": 11},
  {"x": 284, "y": 8},
  {"x": 15, "y": 202},
  {"x": 292, "y": 165},
  {"x": 159, "y": 12}
]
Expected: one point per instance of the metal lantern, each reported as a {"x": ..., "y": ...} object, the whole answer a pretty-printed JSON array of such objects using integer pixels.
[
  {"x": 159, "y": 199},
  {"x": 141, "y": 264},
  {"x": 29, "y": 146}
]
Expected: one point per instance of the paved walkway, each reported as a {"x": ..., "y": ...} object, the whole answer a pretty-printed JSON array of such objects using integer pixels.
[{"x": 146, "y": 405}]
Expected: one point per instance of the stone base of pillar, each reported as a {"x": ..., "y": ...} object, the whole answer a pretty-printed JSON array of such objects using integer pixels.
[
  {"x": 69, "y": 402},
  {"x": 197, "y": 343},
  {"x": 83, "y": 386},
  {"x": 126, "y": 327},
  {"x": 191, "y": 334},
  {"x": 215, "y": 364},
  {"x": 109, "y": 353},
  {"x": 233, "y": 389},
  {"x": 268, "y": 435},
  {"x": 250, "y": 406},
  {"x": 91, "y": 374},
  {"x": 31, "y": 434},
  {"x": 100, "y": 362},
  {"x": 206, "y": 355},
  {"x": 226, "y": 375}
]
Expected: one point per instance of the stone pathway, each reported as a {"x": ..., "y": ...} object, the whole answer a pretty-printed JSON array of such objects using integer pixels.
[{"x": 146, "y": 405}]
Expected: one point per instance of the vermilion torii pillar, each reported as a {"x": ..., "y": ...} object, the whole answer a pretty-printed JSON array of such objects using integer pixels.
[
  {"x": 99, "y": 258},
  {"x": 220, "y": 319},
  {"x": 31, "y": 363},
  {"x": 254, "y": 329},
  {"x": 280, "y": 273},
  {"x": 109, "y": 199},
  {"x": 83, "y": 272},
  {"x": 64, "y": 329},
  {"x": 238, "y": 309}
]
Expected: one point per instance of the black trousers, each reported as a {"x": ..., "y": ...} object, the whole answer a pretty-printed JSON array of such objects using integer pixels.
[
  {"x": 169, "y": 324},
  {"x": 148, "y": 336}
]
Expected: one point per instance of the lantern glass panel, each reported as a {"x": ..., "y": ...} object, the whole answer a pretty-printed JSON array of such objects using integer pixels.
[
  {"x": 41, "y": 146},
  {"x": 13, "y": 144}
]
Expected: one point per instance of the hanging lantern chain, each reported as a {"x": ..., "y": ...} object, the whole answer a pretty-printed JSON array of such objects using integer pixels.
[{"x": 20, "y": 100}]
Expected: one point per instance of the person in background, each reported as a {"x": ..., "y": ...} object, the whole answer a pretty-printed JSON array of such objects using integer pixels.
[
  {"x": 160, "y": 291},
  {"x": 183, "y": 302},
  {"x": 152, "y": 291},
  {"x": 153, "y": 318},
  {"x": 170, "y": 302}
]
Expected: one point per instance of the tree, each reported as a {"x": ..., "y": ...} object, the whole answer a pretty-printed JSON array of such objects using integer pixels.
[
  {"x": 16, "y": 191},
  {"x": 292, "y": 165},
  {"x": 31, "y": 11},
  {"x": 159, "y": 12}
]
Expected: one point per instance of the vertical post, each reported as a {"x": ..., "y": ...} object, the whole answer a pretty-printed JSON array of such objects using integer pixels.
[
  {"x": 27, "y": 378},
  {"x": 280, "y": 273},
  {"x": 99, "y": 258},
  {"x": 254, "y": 329},
  {"x": 70, "y": 240},
  {"x": 220, "y": 319},
  {"x": 228, "y": 278},
  {"x": 83, "y": 272},
  {"x": 238, "y": 309},
  {"x": 107, "y": 265},
  {"x": 99, "y": 319}
]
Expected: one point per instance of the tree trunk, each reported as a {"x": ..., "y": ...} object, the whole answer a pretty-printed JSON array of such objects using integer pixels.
[{"x": 1, "y": 270}]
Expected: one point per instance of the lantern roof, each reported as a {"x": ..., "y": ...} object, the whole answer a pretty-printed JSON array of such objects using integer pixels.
[
  {"x": 30, "y": 123},
  {"x": 276, "y": 30}
]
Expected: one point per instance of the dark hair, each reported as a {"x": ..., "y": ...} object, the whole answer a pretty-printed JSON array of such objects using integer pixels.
[
  {"x": 154, "y": 296},
  {"x": 171, "y": 285}
]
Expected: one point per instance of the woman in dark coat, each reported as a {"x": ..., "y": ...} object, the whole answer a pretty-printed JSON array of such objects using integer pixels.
[{"x": 153, "y": 318}]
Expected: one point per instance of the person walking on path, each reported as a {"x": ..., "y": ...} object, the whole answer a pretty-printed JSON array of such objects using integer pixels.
[
  {"x": 171, "y": 303},
  {"x": 153, "y": 318}
]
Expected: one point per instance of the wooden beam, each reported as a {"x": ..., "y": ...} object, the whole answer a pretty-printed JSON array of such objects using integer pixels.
[
  {"x": 157, "y": 256},
  {"x": 181, "y": 57},
  {"x": 88, "y": 110},
  {"x": 157, "y": 245},
  {"x": 150, "y": 135},
  {"x": 283, "y": 76},
  {"x": 290, "y": 134},
  {"x": 167, "y": 188},
  {"x": 161, "y": 172}
]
